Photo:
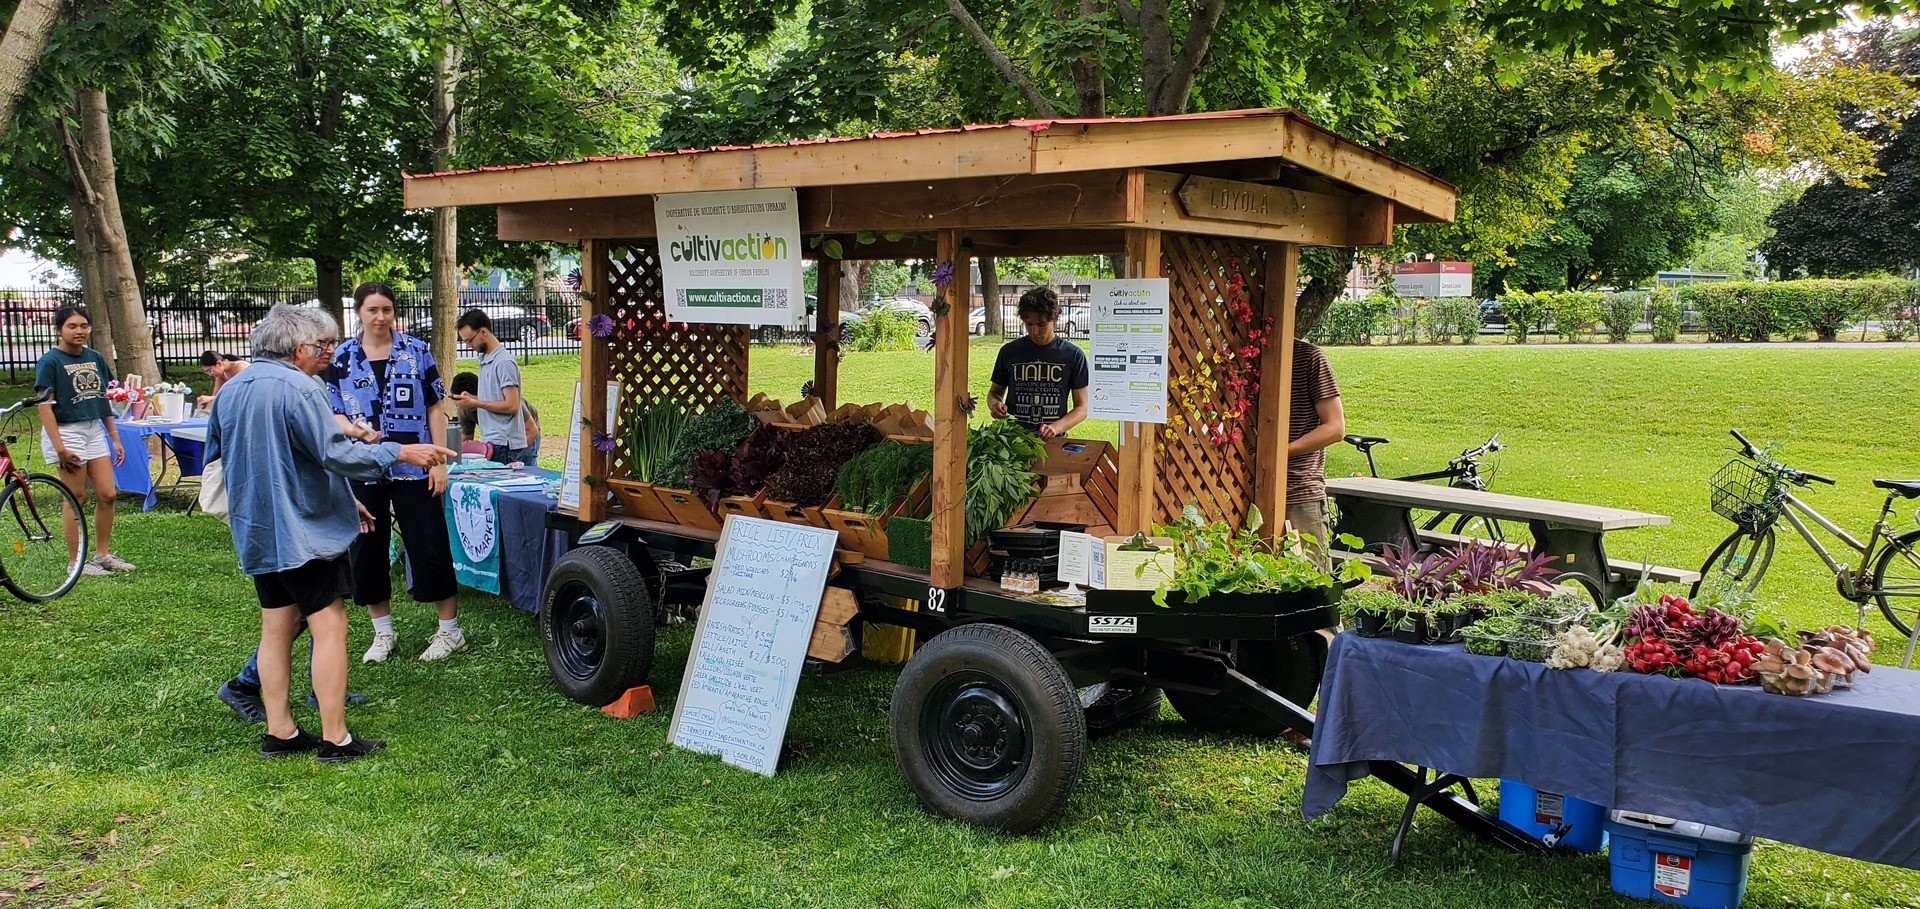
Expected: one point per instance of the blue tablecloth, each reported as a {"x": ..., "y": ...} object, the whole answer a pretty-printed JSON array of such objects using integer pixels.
[
  {"x": 136, "y": 473},
  {"x": 525, "y": 548},
  {"x": 1838, "y": 772}
]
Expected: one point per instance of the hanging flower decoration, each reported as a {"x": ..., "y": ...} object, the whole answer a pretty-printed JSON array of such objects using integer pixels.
[
  {"x": 969, "y": 405},
  {"x": 603, "y": 441},
  {"x": 943, "y": 274},
  {"x": 806, "y": 389},
  {"x": 601, "y": 325},
  {"x": 1215, "y": 398},
  {"x": 573, "y": 279}
]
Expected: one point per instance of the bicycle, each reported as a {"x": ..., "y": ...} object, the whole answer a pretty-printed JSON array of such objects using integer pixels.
[
  {"x": 1754, "y": 492},
  {"x": 42, "y": 529},
  {"x": 1463, "y": 472}
]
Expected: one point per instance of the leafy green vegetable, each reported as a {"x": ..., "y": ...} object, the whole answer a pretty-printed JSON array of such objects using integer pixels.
[
  {"x": 1000, "y": 475},
  {"x": 883, "y": 474},
  {"x": 721, "y": 428},
  {"x": 652, "y": 434},
  {"x": 1215, "y": 558}
]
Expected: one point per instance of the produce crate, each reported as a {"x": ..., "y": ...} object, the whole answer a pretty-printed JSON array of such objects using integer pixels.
[
  {"x": 867, "y": 532},
  {"x": 1682, "y": 862},
  {"x": 745, "y": 506},
  {"x": 688, "y": 509},
  {"x": 809, "y": 515},
  {"x": 639, "y": 500},
  {"x": 1538, "y": 813}
]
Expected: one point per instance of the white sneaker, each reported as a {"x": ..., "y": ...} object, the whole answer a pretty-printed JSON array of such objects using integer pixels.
[
  {"x": 444, "y": 644},
  {"x": 113, "y": 562},
  {"x": 93, "y": 568},
  {"x": 381, "y": 649}
]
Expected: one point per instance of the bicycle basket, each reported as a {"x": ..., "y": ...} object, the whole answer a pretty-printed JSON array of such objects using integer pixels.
[{"x": 1744, "y": 495}]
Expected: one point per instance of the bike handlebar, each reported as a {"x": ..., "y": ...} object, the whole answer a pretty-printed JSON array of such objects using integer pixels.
[
  {"x": 1746, "y": 447},
  {"x": 1803, "y": 475},
  {"x": 42, "y": 397}
]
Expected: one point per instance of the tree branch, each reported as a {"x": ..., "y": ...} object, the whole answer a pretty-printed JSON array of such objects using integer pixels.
[
  {"x": 1041, "y": 106},
  {"x": 1128, "y": 12},
  {"x": 1156, "y": 52},
  {"x": 1173, "y": 95}
]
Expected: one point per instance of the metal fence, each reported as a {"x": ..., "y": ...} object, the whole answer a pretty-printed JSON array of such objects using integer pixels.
[{"x": 1076, "y": 317}]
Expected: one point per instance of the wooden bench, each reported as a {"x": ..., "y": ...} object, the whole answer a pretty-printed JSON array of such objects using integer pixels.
[{"x": 1380, "y": 511}]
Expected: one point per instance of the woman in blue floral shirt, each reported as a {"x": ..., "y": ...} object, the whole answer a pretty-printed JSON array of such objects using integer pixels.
[{"x": 384, "y": 385}]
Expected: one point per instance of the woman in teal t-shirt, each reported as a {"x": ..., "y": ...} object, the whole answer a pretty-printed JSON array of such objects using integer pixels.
[{"x": 77, "y": 430}]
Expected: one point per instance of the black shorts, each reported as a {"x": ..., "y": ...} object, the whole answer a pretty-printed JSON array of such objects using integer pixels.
[{"x": 308, "y": 588}]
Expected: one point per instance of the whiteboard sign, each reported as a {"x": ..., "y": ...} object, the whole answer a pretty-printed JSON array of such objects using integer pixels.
[
  {"x": 762, "y": 599},
  {"x": 731, "y": 257},
  {"x": 570, "y": 474},
  {"x": 1129, "y": 347}
]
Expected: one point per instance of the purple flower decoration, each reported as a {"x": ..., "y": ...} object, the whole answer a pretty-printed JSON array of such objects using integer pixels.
[
  {"x": 601, "y": 325},
  {"x": 602, "y": 441},
  {"x": 943, "y": 273},
  {"x": 573, "y": 279}
]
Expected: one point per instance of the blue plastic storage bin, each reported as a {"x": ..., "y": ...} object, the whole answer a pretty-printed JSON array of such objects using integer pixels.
[
  {"x": 1671, "y": 861},
  {"x": 1538, "y": 812}
]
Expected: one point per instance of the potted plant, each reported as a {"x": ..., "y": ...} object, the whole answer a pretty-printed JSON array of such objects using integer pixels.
[
  {"x": 1220, "y": 569},
  {"x": 1371, "y": 613},
  {"x": 652, "y": 434}
]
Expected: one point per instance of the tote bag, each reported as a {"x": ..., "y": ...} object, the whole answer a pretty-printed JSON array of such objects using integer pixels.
[{"x": 213, "y": 489}]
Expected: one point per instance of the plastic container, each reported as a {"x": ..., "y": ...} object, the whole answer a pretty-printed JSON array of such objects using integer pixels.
[
  {"x": 1681, "y": 862},
  {"x": 1540, "y": 813}
]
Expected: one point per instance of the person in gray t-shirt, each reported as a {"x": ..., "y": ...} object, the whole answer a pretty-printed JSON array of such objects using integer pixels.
[{"x": 497, "y": 404}]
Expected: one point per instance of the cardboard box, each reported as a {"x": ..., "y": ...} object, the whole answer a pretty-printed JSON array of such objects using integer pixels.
[{"x": 1114, "y": 569}]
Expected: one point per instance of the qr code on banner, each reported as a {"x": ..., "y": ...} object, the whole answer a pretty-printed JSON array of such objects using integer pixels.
[
  {"x": 680, "y": 297},
  {"x": 777, "y": 298}
]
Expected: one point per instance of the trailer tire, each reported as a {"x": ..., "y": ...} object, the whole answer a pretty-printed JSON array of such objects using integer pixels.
[
  {"x": 987, "y": 728},
  {"x": 1116, "y": 706},
  {"x": 1289, "y": 667},
  {"x": 596, "y": 625}
]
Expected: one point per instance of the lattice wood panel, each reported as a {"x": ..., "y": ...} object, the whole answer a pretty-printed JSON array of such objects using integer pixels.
[
  {"x": 653, "y": 358},
  {"x": 1191, "y": 468}
]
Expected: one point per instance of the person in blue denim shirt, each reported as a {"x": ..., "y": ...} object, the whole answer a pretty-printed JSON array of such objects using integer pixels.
[
  {"x": 293, "y": 517},
  {"x": 385, "y": 385}
]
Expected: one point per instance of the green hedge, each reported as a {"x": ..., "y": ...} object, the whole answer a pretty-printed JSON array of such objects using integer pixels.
[
  {"x": 1760, "y": 310},
  {"x": 1350, "y": 322}
]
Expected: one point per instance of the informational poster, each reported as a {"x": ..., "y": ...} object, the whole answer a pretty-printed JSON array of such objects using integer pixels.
[
  {"x": 762, "y": 598},
  {"x": 570, "y": 473},
  {"x": 1077, "y": 554},
  {"x": 1129, "y": 346},
  {"x": 731, "y": 257}
]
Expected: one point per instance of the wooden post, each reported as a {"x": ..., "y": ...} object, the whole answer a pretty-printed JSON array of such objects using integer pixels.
[
  {"x": 949, "y": 419},
  {"x": 1135, "y": 459},
  {"x": 826, "y": 335},
  {"x": 1281, "y": 280},
  {"x": 593, "y": 388}
]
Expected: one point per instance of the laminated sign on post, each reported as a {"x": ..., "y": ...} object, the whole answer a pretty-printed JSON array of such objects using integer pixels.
[
  {"x": 731, "y": 258},
  {"x": 1129, "y": 345}
]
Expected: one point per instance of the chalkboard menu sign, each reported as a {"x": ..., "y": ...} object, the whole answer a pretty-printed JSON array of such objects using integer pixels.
[{"x": 762, "y": 598}]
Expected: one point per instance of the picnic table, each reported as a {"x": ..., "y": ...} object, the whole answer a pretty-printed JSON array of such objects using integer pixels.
[{"x": 1380, "y": 512}]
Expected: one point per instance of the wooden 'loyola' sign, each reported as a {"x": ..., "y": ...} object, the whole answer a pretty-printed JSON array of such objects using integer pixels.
[{"x": 1232, "y": 200}]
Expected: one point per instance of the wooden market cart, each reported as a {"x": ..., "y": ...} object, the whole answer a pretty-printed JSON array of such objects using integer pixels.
[{"x": 991, "y": 714}]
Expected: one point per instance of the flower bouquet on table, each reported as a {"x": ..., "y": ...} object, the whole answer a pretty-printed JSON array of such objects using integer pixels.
[
  {"x": 166, "y": 401},
  {"x": 122, "y": 397}
]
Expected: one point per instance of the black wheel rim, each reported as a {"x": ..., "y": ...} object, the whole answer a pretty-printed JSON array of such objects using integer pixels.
[
  {"x": 579, "y": 630},
  {"x": 975, "y": 735}
]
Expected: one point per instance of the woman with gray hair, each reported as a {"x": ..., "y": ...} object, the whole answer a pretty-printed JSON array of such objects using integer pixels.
[{"x": 294, "y": 517}]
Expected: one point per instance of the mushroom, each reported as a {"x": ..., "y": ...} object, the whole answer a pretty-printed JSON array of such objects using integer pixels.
[{"x": 1829, "y": 660}]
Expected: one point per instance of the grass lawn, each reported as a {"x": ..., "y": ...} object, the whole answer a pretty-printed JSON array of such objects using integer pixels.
[{"x": 123, "y": 782}]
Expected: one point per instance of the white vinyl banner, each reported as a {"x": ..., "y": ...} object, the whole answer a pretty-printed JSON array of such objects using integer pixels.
[{"x": 731, "y": 258}]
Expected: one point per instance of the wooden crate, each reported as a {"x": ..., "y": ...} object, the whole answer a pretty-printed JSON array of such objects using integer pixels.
[
  {"x": 866, "y": 531},
  {"x": 639, "y": 500},
  {"x": 745, "y": 506},
  {"x": 688, "y": 510}
]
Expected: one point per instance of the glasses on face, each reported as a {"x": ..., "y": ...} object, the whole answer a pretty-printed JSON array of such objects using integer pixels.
[{"x": 326, "y": 346}]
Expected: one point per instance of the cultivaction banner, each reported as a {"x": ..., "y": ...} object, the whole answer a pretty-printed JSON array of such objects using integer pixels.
[
  {"x": 730, "y": 257},
  {"x": 1129, "y": 347}
]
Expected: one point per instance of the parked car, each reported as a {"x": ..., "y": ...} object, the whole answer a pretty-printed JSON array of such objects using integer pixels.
[
  {"x": 510, "y": 323},
  {"x": 1075, "y": 318},
  {"x": 767, "y": 333},
  {"x": 922, "y": 316}
]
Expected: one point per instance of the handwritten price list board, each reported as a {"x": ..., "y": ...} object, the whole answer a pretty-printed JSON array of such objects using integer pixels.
[{"x": 762, "y": 599}]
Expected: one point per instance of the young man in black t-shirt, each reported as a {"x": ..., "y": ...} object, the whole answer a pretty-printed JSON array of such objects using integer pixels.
[{"x": 1041, "y": 379}]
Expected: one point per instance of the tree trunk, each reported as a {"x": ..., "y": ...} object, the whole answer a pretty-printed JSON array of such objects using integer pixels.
[
  {"x": 1328, "y": 272},
  {"x": 990, "y": 295},
  {"x": 331, "y": 284},
  {"x": 86, "y": 244},
  {"x": 853, "y": 275},
  {"x": 540, "y": 285},
  {"x": 1089, "y": 70},
  {"x": 133, "y": 339},
  {"x": 20, "y": 51},
  {"x": 443, "y": 245}
]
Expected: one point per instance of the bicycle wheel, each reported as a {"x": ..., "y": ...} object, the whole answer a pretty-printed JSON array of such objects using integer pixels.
[
  {"x": 1742, "y": 558},
  {"x": 1896, "y": 581},
  {"x": 42, "y": 557},
  {"x": 1470, "y": 525}
]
